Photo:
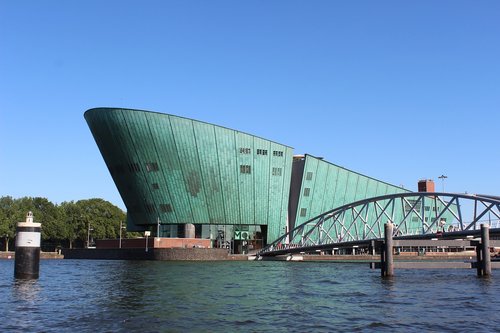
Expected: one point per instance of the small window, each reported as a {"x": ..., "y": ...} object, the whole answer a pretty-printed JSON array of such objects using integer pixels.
[
  {"x": 245, "y": 169},
  {"x": 155, "y": 186},
  {"x": 309, "y": 176},
  {"x": 303, "y": 212},
  {"x": 166, "y": 208},
  {"x": 427, "y": 208},
  {"x": 261, "y": 151},
  {"x": 276, "y": 171},
  {"x": 245, "y": 150},
  {"x": 415, "y": 219},
  {"x": 152, "y": 166},
  {"x": 134, "y": 167},
  {"x": 277, "y": 153},
  {"x": 306, "y": 191},
  {"x": 150, "y": 208}
]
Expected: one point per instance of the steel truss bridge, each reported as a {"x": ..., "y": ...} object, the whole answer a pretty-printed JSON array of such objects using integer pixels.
[{"x": 414, "y": 215}]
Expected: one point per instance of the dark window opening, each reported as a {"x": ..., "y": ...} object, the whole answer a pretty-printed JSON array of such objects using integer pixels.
[
  {"x": 245, "y": 150},
  {"x": 245, "y": 169},
  {"x": 278, "y": 153},
  {"x": 152, "y": 166},
  {"x": 303, "y": 211},
  {"x": 261, "y": 151},
  {"x": 155, "y": 186},
  {"x": 309, "y": 176},
  {"x": 166, "y": 208},
  {"x": 134, "y": 167},
  {"x": 150, "y": 208},
  {"x": 307, "y": 190},
  {"x": 276, "y": 171}
]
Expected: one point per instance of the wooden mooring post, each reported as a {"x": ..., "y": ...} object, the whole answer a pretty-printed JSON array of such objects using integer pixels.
[
  {"x": 483, "y": 252},
  {"x": 483, "y": 258},
  {"x": 386, "y": 253}
]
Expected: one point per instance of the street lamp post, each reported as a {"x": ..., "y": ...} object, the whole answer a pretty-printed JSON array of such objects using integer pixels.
[
  {"x": 147, "y": 234},
  {"x": 443, "y": 177},
  {"x": 121, "y": 228},
  {"x": 88, "y": 235}
]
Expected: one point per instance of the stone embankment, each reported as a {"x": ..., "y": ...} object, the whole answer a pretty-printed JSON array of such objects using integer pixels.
[
  {"x": 188, "y": 254},
  {"x": 43, "y": 255}
]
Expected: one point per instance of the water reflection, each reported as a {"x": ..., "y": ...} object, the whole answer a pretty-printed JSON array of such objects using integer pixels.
[
  {"x": 24, "y": 305},
  {"x": 26, "y": 290}
]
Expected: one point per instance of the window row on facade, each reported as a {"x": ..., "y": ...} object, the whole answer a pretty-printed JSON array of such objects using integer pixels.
[
  {"x": 245, "y": 168},
  {"x": 246, "y": 150},
  {"x": 133, "y": 168},
  {"x": 417, "y": 206},
  {"x": 164, "y": 208},
  {"x": 153, "y": 167}
]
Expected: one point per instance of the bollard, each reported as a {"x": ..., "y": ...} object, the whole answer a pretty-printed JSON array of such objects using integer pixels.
[
  {"x": 387, "y": 257},
  {"x": 27, "y": 261},
  {"x": 484, "y": 265}
]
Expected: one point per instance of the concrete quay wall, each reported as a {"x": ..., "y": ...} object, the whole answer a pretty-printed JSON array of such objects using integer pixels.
[{"x": 190, "y": 254}]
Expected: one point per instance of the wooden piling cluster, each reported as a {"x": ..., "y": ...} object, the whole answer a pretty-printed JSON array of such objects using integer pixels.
[{"x": 483, "y": 263}]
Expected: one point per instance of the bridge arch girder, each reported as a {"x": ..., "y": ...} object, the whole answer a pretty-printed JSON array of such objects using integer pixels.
[{"x": 412, "y": 213}]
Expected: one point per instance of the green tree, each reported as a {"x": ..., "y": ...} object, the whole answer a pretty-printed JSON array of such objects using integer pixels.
[
  {"x": 71, "y": 214},
  {"x": 100, "y": 217},
  {"x": 64, "y": 224},
  {"x": 7, "y": 222}
]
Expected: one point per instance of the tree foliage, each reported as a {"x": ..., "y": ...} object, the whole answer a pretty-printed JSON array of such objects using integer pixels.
[
  {"x": 64, "y": 225},
  {"x": 7, "y": 224}
]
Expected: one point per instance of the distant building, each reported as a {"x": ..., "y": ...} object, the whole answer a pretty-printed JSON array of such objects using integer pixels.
[
  {"x": 426, "y": 185},
  {"x": 206, "y": 181}
]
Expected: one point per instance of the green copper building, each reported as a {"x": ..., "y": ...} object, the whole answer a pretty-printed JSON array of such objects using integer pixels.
[
  {"x": 318, "y": 186},
  {"x": 188, "y": 178}
]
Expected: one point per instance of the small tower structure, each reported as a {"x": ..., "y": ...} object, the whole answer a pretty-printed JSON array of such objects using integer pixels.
[{"x": 28, "y": 237}]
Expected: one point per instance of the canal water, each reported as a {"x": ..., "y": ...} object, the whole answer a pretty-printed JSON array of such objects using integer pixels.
[{"x": 153, "y": 296}]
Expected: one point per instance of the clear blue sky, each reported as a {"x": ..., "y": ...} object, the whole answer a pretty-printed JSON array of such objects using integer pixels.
[{"x": 397, "y": 90}]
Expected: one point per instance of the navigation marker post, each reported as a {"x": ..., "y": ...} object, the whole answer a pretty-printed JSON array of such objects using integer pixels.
[{"x": 27, "y": 261}]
